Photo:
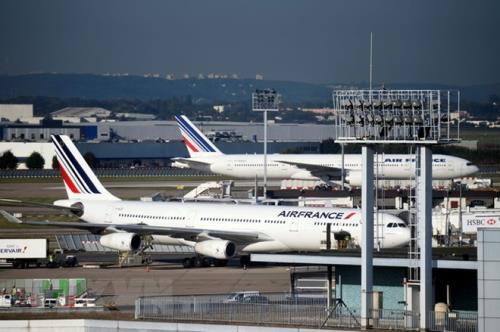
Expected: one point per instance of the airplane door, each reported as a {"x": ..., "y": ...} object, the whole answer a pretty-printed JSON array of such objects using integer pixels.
[
  {"x": 293, "y": 226},
  {"x": 450, "y": 167},
  {"x": 191, "y": 219},
  {"x": 108, "y": 215},
  {"x": 409, "y": 166}
]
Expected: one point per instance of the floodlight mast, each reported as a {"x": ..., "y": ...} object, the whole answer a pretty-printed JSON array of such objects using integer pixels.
[
  {"x": 264, "y": 100},
  {"x": 371, "y": 117}
]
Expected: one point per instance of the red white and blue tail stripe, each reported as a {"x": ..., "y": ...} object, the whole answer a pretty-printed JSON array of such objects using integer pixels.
[
  {"x": 79, "y": 180},
  {"x": 196, "y": 142}
]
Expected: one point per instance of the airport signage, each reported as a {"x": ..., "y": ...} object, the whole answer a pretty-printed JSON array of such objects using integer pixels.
[{"x": 472, "y": 222}]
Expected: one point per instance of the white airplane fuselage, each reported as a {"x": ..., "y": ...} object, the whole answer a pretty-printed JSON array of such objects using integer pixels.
[
  {"x": 283, "y": 228},
  {"x": 388, "y": 166}
]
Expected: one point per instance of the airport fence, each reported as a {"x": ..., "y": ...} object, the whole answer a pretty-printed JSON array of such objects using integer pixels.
[
  {"x": 265, "y": 309},
  {"x": 457, "y": 321},
  {"x": 288, "y": 310},
  {"x": 388, "y": 319}
]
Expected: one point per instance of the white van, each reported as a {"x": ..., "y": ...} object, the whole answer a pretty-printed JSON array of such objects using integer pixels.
[
  {"x": 240, "y": 296},
  {"x": 5, "y": 300}
]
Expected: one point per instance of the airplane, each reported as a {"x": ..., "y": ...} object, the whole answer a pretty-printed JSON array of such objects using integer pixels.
[
  {"x": 205, "y": 156},
  {"x": 216, "y": 230}
]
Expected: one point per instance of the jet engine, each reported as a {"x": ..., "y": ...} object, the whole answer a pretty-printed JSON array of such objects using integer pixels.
[
  {"x": 354, "y": 179},
  {"x": 303, "y": 175},
  {"x": 219, "y": 249},
  {"x": 121, "y": 241}
]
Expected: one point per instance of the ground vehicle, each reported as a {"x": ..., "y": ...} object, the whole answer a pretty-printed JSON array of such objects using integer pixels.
[
  {"x": 25, "y": 253},
  {"x": 255, "y": 299},
  {"x": 240, "y": 296},
  {"x": 201, "y": 261},
  {"x": 5, "y": 300}
]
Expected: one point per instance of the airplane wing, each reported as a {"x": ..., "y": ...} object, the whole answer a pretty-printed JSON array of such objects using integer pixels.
[
  {"x": 190, "y": 234},
  {"x": 15, "y": 202},
  {"x": 317, "y": 170},
  {"x": 191, "y": 162}
]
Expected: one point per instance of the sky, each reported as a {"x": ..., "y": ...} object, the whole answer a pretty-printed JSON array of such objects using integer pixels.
[{"x": 318, "y": 41}]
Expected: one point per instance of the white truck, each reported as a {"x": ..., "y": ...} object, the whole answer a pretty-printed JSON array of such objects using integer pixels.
[{"x": 23, "y": 253}]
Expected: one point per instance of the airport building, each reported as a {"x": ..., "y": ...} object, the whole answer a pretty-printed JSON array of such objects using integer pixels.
[
  {"x": 15, "y": 112},
  {"x": 145, "y": 153},
  {"x": 154, "y": 142},
  {"x": 228, "y": 131}
]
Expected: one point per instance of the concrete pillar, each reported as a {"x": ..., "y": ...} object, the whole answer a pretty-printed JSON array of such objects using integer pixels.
[
  {"x": 367, "y": 203},
  {"x": 424, "y": 218},
  {"x": 488, "y": 279},
  {"x": 330, "y": 302}
]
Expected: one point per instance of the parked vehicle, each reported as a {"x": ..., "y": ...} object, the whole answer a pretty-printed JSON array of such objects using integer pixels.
[
  {"x": 255, "y": 299},
  {"x": 240, "y": 296},
  {"x": 25, "y": 253},
  {"x": 5, "y": 300}
]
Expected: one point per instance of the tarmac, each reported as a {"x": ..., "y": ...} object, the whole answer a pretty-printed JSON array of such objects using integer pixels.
[{"x": 121, "y": 286}]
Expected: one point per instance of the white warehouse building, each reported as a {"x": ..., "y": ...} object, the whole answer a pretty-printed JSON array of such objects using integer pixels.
[
  {"x": 14, "y": 112},
  {"x": 23, "y": 150}
]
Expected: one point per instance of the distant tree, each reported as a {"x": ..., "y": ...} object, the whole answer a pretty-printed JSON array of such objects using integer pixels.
[
  {"x": 35, "y": 161},
  {"x": 55, "y": 163},
  {"x": 296, "y": 150},
  {"x": 8, "y": 160},
  {"x": 91, "y": 159},
  {"x": 329, "y": 146}
]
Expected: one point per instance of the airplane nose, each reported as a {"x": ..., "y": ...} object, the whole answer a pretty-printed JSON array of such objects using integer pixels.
[
  {"x": 469, "y": 169},
  {"x": 407, "y": 236}
]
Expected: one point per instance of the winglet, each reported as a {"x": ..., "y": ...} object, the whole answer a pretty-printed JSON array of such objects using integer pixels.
[{"x": 10, "y": 218}]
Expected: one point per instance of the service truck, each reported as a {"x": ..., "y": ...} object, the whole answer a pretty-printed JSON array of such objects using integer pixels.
[{"x": 24, "y": 253}]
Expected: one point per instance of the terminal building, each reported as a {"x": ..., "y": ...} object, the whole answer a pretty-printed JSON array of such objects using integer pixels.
[{"x": 149, "y": 143}]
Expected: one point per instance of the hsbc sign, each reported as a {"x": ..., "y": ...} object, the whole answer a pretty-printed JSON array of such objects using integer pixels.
[{"x": 472, "y": 222}]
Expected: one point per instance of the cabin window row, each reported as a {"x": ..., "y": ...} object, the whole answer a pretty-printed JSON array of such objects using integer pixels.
[
  {"x": 231, "y": 220},
  {"x": 335, "y": 224},
  {"x": 127, "y": 215},
  {"x": 246, "y": 165},
  {"x": 244, "y": 220}
]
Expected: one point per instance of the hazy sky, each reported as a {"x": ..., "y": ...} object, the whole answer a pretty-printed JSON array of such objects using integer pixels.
[{"x": 426, "y": 41}]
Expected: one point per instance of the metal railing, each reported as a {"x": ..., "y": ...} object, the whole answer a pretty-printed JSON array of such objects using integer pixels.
[
  {"x": 457, "y": 321},
  {"x": 289, "y": 310},
  {"x": 395, "y": 319},
  {"x": 277, "y": 309}
]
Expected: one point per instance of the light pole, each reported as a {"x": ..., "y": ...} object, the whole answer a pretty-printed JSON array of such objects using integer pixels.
[
  {"x": 263, "y": 101},
  {"x": 352, "y": 128},
  {"x": 461, "y": 230}
]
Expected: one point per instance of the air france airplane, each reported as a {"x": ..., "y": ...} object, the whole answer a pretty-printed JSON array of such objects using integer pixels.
[
  {"x": 204, "y": 155},
  {"x": 216, "y": 230}
]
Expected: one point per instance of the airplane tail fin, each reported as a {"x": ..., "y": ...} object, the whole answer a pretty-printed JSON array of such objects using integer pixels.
[
  {"x": 79, "y": 180},
  {"x": 196, "y": 142}
]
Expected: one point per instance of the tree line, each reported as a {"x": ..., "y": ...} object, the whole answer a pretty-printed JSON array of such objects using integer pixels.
[{"x": 36, "y": 161}]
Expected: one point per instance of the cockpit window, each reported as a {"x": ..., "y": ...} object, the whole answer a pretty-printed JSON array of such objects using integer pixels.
[
  {"x": 390, "y": 225},
  {"x": 469, "y": 164},
  {"x": 401, "y": 225}
]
